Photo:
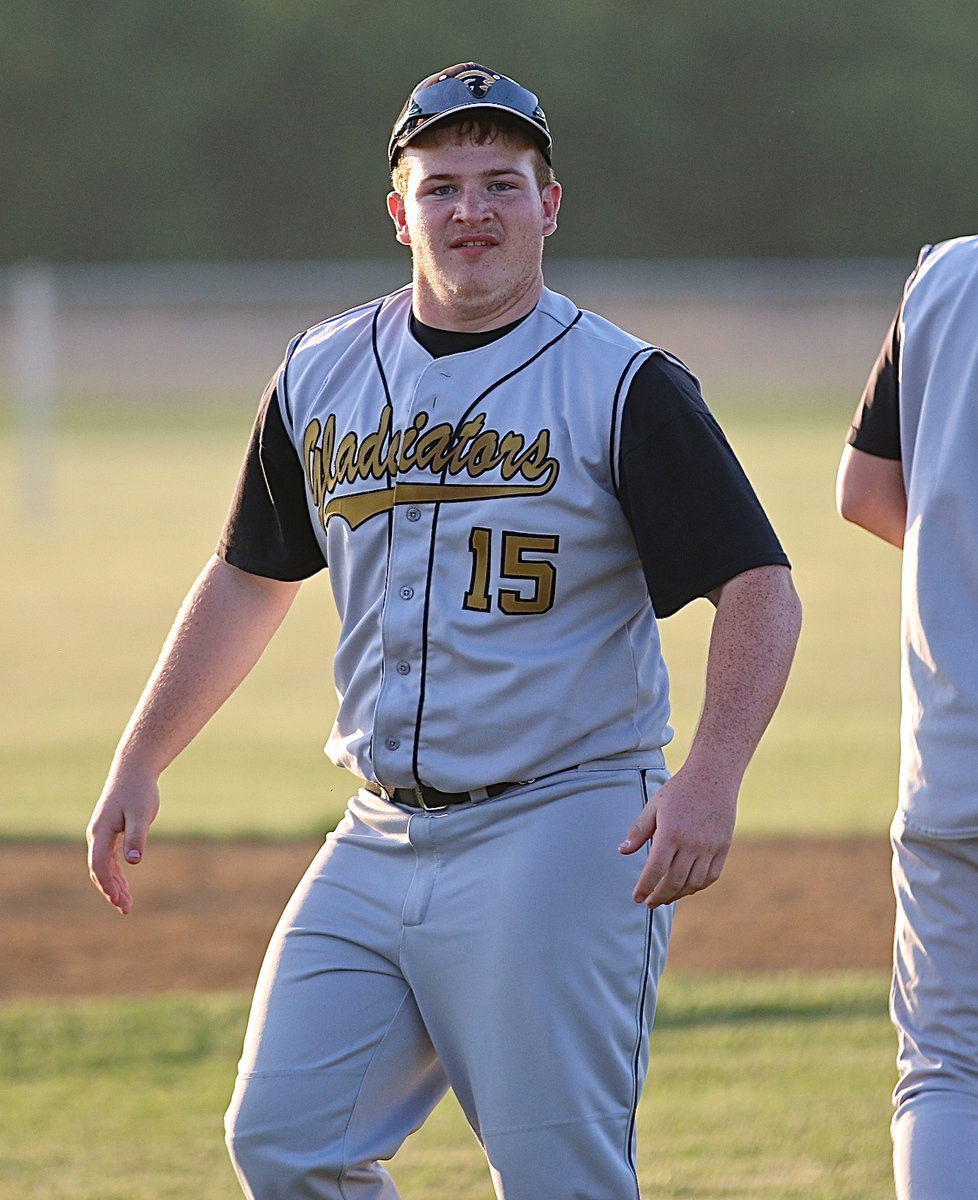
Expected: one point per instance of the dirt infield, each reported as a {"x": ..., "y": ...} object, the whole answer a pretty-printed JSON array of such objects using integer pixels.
[{"x": 204, "y": 911}]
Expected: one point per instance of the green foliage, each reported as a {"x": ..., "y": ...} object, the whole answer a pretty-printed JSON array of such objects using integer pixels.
[
  {"x": 228, "y": 130},
  {"x": 139, "y": 502},
  {"x": 770, "y": 1088}
]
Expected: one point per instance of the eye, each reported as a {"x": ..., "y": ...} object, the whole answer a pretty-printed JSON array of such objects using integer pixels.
[
  {"x": 501, "y": 185},
  {"x": 444, "y": 189}
]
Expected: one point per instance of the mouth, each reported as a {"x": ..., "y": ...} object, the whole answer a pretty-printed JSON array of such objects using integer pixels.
[{"x": 470, "y": 243}]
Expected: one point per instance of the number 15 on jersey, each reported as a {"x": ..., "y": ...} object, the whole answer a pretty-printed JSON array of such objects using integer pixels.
[{"x": 532, "y": 580}]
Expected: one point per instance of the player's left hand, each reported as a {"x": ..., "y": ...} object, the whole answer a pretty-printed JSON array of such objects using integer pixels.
[{"x": 690, "y": 821}]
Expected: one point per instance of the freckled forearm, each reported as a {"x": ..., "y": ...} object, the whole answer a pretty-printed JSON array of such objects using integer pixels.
[
  {"x": 752, "y": 644},
  {"x": 220, "y": 632}
]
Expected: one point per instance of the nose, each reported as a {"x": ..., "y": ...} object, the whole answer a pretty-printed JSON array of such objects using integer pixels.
[{"x": 471, "y": 205}]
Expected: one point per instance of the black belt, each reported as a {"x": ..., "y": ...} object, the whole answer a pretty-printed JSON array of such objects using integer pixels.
[{"x": 432, "y": 800}]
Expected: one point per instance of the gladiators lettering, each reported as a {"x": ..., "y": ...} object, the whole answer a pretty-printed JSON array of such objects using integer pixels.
[{"x": 471, "y": 450}]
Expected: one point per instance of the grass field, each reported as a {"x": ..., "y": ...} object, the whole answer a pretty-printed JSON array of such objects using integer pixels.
[
  {"x": 759, "y": 1089},
  {"x": 137, "y": 499}
]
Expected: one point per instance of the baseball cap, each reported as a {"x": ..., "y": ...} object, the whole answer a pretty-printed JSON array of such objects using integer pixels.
[{"x": 467, "y": 86}]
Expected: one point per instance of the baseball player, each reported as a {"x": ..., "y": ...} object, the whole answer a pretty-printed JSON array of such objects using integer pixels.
[
  {"x": 908, "y": 476},
  {"x": 507, "y": 492}
]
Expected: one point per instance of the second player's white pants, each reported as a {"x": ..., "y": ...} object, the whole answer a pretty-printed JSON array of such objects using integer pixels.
[
  {"x": 493, "y": 948},
  {"x": 935, "y": 1008}
]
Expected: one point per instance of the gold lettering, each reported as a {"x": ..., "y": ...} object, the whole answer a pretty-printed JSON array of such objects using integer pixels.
[
  {"x": 406, "y": 460},
  {"x": 510, "y": 449},
  {"x": 434, "y": 448},
  {"x": 484, "y": 454},
  {"x": 373, "y": 459},
  {"x": 470, "y": 450},
  {"x": 536, "y": 463},
  {"x": 465, "y": 435},
  {"x": 347, "y": 454},
  {"x": 393, "y": 452},
  {"x": 312, "y": 458},
  {"x": 329, "y": 437}
]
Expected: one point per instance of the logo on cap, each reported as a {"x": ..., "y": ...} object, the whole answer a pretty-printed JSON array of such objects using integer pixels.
[
  {"x": 442, "y": 96},
  {"x": 478, "y": 82}
]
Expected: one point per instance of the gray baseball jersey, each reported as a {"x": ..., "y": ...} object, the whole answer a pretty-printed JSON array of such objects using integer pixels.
[
  {"x": 938, "y": 375},
  {"x": 496, "y": 622}
]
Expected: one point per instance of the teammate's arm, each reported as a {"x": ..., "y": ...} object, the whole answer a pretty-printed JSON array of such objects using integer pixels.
[
  {"x": 869, "y": 488},
  {"x": 225, "y": 623},
  {"x": 755, "y": 629},
  {"x": 870, "y": 492}
]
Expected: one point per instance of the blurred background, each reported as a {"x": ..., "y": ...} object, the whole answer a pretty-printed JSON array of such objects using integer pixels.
[
  {"x": 236, "y": 130},
  {"x": 204, "y": 178},
  {"x": 170, "y": 159},
  {"x": 186, "y": 185}
]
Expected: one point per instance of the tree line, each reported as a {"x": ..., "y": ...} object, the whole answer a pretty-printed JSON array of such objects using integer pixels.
[{"x": 228, "y": 129}]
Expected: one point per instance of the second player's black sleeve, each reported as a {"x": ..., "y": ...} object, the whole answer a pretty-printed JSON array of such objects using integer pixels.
[
  {"x": 696, "y": 519},
  {"x": 875, "y": 428},
  {"x": 268, "y": 530}
]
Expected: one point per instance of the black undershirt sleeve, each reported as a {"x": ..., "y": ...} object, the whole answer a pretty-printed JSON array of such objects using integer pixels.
[
  {"x": 875, "y": 428},
  {"x": 268, "y": 530},
  {"x": 696, "y": 519}
]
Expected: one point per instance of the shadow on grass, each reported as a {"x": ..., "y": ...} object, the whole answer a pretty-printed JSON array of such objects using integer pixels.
[{"x": 689, "y": 1004}]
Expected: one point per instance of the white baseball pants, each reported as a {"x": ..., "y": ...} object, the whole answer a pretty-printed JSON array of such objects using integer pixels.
[
  {"x": 934, "y": 1004},
  {"x": 493, "y": 948}
]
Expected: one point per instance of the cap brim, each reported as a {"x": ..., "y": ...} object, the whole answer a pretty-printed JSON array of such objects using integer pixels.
[{"x": 540, "y": 135}]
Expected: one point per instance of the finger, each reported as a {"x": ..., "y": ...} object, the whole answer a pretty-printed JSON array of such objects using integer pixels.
[
  {"x": 697, "y": 878},
  {"x": 640, "y": 832},
  {"x": 138, "y": 819},
  {"x": 118, "y": 894},
  {"x": 134, "y": 833},
  {"x": 665, "y": 892},
  {"x": 123, "y": 899},
  {"x": 134, "y": 846},
  {"x": 101, "y": 860},
  {"x": 712, "y": 873},
  {"x": 657, "y": 875},
  {"x": 114, "y": 888},
  {"x": 703, "y": 873},
  {"x": 105, "y": 872}
]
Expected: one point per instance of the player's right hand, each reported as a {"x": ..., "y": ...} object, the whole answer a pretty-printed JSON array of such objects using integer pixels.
[{"x": 117, "y": 831}]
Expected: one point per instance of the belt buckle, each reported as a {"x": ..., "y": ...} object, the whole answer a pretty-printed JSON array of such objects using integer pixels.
[{"x": 418, "y": 793}]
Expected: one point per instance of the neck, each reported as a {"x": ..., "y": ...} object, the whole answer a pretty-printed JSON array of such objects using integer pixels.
[{"x": 474, "y": 314}]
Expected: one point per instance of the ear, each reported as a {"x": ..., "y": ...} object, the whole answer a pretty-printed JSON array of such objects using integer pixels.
[
  {"x": 551, "y": 203},
  {"x": 395, "y": 206}
]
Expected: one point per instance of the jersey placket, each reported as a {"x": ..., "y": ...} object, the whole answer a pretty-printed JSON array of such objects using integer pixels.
[{"x": 397, "y": 720}]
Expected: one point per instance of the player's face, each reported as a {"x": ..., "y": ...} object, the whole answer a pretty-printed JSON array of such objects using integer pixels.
[{"x": 475, "y": 218}]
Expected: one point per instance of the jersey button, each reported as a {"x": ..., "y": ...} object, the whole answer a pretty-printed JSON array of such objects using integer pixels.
[
  {"x": 392, "y": 743},
  {"x": 407, "y": 593},
  {"x": 413, "y": 513},
  {"x": 403, "y": 668}
]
